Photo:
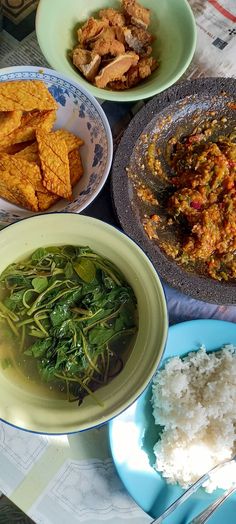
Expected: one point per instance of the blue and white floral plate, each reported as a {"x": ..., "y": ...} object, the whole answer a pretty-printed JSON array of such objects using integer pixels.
[{"x": 80, "y": 113}]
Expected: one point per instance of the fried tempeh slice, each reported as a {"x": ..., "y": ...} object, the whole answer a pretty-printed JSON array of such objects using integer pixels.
[
  {"x": 15, "y": 148},
  {"x": 48, "y": 199},
  {"x": 6, "y": 193},
  {"x": 25, "y": 95},
  {"x": 31, "y": 153},
  {"x": 9, "y": 120},
  {"x": 17, "y": 188},
  {"x": 29, "y": 123},
  {"x": 54, "y": 161},
  {"x": 13, "y": 190},
  {"x": 72, "y": 141},
  {"x": 76, "y": 167},
  {"x": 19, "y": 166}
]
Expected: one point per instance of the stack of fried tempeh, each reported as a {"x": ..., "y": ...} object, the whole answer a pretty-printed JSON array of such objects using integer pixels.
[{"x": 37, "y": 166}]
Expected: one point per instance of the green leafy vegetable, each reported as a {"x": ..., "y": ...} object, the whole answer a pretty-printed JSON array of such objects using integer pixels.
[
  {"x": 69, "y": 310},
  {"x": 59, "y": 313},
  {"x": 40, "y": 284},
  {"x": 85, "y": 269},
  {"x": 38, "y": 254},
  {"x": 14, "y": 300},
  {"x": 39, "y": 348}
]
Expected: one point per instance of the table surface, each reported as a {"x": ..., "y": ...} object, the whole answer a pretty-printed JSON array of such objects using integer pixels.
[{"x": 72, "y": 478}]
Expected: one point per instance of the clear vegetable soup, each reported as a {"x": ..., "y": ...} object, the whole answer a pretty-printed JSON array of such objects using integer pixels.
[{"x": 68, "y": 322}]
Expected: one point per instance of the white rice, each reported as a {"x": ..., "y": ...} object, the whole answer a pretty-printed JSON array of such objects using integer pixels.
[{"x": 194, "y": 399}]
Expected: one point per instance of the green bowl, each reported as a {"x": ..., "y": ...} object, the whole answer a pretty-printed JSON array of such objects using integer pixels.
[
  {"x": 22, "y": 408},
  {"x": 172, "y": 23}
]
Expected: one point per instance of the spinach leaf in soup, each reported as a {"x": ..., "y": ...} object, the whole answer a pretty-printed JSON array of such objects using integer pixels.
[{"x": 70, "y": 314}]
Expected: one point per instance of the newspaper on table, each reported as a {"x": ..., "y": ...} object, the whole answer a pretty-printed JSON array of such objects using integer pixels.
[
  {"x": 53, "y": 479},
  {"x": 216, "y": 43}
]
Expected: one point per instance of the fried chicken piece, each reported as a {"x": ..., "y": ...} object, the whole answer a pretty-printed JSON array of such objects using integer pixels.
[
  {"x": 107, "y": 44},
  {"x": 81, "y": 56},
  {"x": 146, "y": 66},
  {"x": 138, "y": 15},
  {"x": 138, "y": 39},
  {"x": 106, "y": 59},
  {"x": 120, "y": 33},
  {"x": 91, "y": 30},
  {"x": 87, "y": 62},
  {"x": 116, "y": 69},
  {"x": 114, "y": 17},
  {"x": 135, "y": 74},
  {"x": 118, "y": 85}
]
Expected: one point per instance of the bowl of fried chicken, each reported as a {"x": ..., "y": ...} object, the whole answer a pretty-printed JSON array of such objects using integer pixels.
[{"x": 121, "y": 50}]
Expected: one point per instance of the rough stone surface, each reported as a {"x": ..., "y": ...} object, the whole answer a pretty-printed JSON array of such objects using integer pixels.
[{"x": 197, "y": 286}]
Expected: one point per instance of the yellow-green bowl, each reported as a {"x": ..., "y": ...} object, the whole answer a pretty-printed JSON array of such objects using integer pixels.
[
  {"x": 172, "y": 23},
  {"x": 22, "y": 408}
]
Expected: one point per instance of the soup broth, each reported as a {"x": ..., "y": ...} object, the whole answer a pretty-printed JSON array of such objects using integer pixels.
[{"x": 68, "y": 321}]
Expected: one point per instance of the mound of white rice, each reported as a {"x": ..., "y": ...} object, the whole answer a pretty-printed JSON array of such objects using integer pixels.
[{"x": 194, "y": 399}]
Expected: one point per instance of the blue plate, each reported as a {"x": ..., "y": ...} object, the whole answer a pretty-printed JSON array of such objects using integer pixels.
[{"x": 133, "y": 434}]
